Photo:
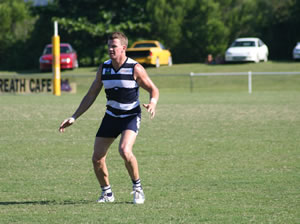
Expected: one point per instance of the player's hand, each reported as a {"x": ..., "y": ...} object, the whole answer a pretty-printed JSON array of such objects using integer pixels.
[
  {"x": 150, "y": 108},
  {"x": 66, "y": 123}
]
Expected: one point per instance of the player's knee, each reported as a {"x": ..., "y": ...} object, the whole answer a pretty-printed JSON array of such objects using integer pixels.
[
  {"x": 97, "y": 160},
  {"x": 126, "y": 153}
]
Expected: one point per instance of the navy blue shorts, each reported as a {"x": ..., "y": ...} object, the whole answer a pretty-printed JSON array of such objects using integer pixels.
[{"x": 111, "y": 126}]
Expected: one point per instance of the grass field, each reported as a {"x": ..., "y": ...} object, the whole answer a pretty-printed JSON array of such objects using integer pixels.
[{"x": 215, "y": 155}]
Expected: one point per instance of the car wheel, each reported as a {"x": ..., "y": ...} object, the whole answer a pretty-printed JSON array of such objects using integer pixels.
[
  {"x": 170, "y": 62},
  {"x": 157, "y": 62}
]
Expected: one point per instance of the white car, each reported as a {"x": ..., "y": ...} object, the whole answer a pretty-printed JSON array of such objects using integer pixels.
[
  {"x": 296, "y": 52},
  {"x": 247, "y": 49}
]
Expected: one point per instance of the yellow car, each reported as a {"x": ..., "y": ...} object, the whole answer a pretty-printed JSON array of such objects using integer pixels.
[{"x": 149, "y": 52}]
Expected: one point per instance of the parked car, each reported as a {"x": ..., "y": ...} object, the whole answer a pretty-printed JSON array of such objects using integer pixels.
[
  {"x": 150, "y": 52},
  {"x": 247, "y": 49},
  {"x": 68, "y": 57},
  {"x": 296, "y": 52}
]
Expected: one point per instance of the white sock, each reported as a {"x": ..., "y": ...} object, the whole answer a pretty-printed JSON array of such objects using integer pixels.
[
  {"x": 137, "y": 184},
  {"x": 106, "y": 189}
]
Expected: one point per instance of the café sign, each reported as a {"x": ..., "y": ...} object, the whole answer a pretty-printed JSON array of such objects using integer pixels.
[{"x": 22, "y": 85}]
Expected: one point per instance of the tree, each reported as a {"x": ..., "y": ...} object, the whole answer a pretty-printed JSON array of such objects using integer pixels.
[
  {"x": 274, "y": 21},
  {"x": 283, "y": 32},
  {"x": 166, "y": 18},
  {"x": 16, "y": 25},
  {"x": 88, "y": 23},
  {"x": 192, "y": 29},
  {"x": 203, "y": 32}
]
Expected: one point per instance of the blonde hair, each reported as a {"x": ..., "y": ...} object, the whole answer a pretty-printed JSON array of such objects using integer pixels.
[{"x": 119, "y": 35}]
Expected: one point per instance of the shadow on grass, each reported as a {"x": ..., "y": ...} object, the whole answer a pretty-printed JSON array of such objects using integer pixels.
[
  {"x": 53, "y": 202},
  {"x": 46, "y": 202}
]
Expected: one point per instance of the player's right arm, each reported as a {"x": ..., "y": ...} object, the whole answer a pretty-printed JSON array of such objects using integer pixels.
[{"x": 86, "y": 102}]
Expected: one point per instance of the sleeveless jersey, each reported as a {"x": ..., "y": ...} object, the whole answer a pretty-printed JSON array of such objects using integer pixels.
[{"x": 122, "y": 91}]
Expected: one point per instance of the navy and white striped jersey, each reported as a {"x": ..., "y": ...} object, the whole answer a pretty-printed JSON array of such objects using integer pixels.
[{"x": 122, "y": 91}]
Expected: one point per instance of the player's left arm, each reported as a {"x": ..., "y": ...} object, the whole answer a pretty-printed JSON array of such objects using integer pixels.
[{"x": 146, "y": 83}]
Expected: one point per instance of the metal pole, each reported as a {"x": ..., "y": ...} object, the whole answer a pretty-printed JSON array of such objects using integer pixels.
[{"x": 56, "y": 61}]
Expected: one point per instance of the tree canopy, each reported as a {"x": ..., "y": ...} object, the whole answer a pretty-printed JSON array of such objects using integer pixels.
[{"x": 192, "y": 29}]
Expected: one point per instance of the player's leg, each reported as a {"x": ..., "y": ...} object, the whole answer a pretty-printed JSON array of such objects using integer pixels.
[
  {"x": 125, "y": 148},
  {"x": 101, "y": 146}
]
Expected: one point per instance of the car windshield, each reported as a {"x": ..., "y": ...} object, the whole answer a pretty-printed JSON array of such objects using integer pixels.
[
  {"x": 63, "y": 49},
  {"x": 243, "y": 44},
  {"x": 141, "y": 45},
  {"x": 162, "y": 46}
]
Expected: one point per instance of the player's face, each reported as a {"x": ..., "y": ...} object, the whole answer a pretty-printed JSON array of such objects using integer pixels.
[{"x": 115, "y": 48}]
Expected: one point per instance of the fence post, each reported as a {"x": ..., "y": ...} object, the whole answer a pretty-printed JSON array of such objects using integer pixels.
[
  {"x": 250, "y": 82},
  {"x": 191, "y": 81}
]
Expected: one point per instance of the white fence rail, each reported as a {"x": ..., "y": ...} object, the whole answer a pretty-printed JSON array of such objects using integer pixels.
[{"x": 249, "y": 74}]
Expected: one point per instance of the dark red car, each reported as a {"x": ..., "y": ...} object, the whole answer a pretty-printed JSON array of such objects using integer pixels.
[{"x": 68, "y": 57}]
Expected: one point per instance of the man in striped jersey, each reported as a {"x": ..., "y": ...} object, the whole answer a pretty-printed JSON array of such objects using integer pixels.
[{"x": 121, "y": 78}]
